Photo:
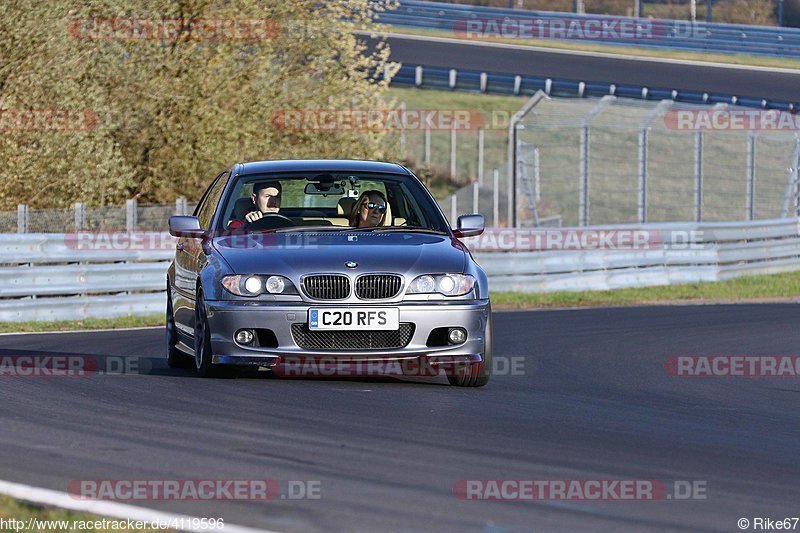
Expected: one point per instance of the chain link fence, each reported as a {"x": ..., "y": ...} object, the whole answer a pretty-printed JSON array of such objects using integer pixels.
[
  {"x": 129, "y": 217},
  {"x": 612, "y": 160}
]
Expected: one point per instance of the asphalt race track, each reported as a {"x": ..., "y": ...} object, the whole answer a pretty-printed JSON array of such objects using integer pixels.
[
  {"x": 776, "y": 85},
  {"x": 593, "y": 401}
]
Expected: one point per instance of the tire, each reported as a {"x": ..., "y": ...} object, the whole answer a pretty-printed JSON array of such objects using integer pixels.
[
  {"x": 476, "y": 374},
  {"x": 203, "y": 356},
  {"x": 175, "y": 357}
]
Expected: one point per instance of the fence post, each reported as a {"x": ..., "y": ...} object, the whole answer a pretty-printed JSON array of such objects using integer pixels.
[
  {"x": 80, "y": 216},
  {"x": 453, "y": 150},
  {"x": 537, "y": 176},
  {"x": 130, "y": 215},
  {"x": 427, "y": 144},
  {"x": 403, "y": 128},
  {"x": 476, "y": 187},
  {"x": 698, "y": 176},
  {"x": 453, "y": 209},
  {"x": 495, "y": 198},
  {"x": 644, "y": 140},
  {"x": 480, "y": 155},
  {"x": 751, "y": 176},
  {"x": 22, "y": 218},
  {"x": 180, "y": 205},
  {"x": 583, "y": 199}
]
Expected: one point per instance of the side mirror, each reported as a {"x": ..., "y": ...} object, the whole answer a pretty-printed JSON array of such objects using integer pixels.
[
  {"x": 469, "y": 226},
  {"x": 185, "y": 226}
]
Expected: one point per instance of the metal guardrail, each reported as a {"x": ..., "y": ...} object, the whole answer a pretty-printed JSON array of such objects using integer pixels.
[
  {"x": 92, "y": 284},
  {"x": 685, "y": 253},
  {"x": 501, "y": 83},
  {"x": 682, "y": 35}
]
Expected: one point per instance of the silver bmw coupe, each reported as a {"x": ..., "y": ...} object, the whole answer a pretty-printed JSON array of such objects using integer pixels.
[{"x": 340, "y": 267}]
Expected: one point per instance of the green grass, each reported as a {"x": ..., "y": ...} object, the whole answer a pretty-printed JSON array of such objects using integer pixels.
[
  {"x": 755, "y": 288},
  {"x": 734, "y": 59},
  {"x": 87, "y": 324},
  {"x": 11, "y": 508}
]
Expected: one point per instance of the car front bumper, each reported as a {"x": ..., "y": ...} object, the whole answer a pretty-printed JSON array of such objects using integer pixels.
[{"x": 227, "y": 317}]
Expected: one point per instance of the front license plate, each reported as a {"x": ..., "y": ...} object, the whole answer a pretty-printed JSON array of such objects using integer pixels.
[{"x": 347, "y": 318}]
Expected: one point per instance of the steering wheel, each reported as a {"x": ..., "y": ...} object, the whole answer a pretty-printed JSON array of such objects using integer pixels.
[{"x": 270, "y": 221}]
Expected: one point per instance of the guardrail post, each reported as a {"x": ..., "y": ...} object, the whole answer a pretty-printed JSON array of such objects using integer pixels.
[
  {"x": 453, "y": 77},
  {"x": 453, "y": 150},
  {"x": 517, "y": 84},
  {"x": 22, "y": 218},
  {"x": 180, "y": 205},
  {"x": 484, "y": 81},
  {"x": 80, "y": 216},
  {"x": 418, "y": 76},
  {"x": 130, "y": 215},
  {"x": 698, "y": 176},
  {"x": 476, "y": 187},
  {"x": 480, "y": 155},
  {"x": 751, "y": 175}
]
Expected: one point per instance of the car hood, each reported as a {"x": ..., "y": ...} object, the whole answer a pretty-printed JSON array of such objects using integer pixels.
[{"x": 297, "y": 253}]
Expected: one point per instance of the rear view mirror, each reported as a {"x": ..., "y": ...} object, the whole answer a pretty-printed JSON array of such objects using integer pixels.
[{"x": 324, "y": 188}]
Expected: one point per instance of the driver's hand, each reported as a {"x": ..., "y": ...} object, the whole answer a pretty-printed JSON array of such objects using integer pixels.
[{"x": 252, "y": 216}]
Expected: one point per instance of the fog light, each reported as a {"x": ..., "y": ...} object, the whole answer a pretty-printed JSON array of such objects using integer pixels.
[
  {"x": 244, "y": 336},
  {"x": 457, "y": 335}
]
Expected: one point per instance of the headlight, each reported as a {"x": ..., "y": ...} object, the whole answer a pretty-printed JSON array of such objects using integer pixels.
[
  {"x": 447, "y": 284},
  {"x": 255, "y": 285}
]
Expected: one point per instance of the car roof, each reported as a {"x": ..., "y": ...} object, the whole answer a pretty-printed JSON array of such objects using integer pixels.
[{"x": 319, "y": 165}]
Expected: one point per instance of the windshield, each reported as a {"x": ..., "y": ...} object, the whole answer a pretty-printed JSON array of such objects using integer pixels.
[{"x": 330, "y": 201}]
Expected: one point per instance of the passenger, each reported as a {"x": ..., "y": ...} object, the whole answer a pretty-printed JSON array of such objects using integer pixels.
[{"x": 369, "y": 210}]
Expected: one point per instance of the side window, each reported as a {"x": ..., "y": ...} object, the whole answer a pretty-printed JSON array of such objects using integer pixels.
[{"x": 208, "y": 204}]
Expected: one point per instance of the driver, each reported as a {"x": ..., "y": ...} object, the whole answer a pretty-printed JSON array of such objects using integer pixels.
[{"x": 266, "y": 200}]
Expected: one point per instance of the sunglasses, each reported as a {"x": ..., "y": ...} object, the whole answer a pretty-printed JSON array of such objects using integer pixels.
[{"x": 380, "y": 207}]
